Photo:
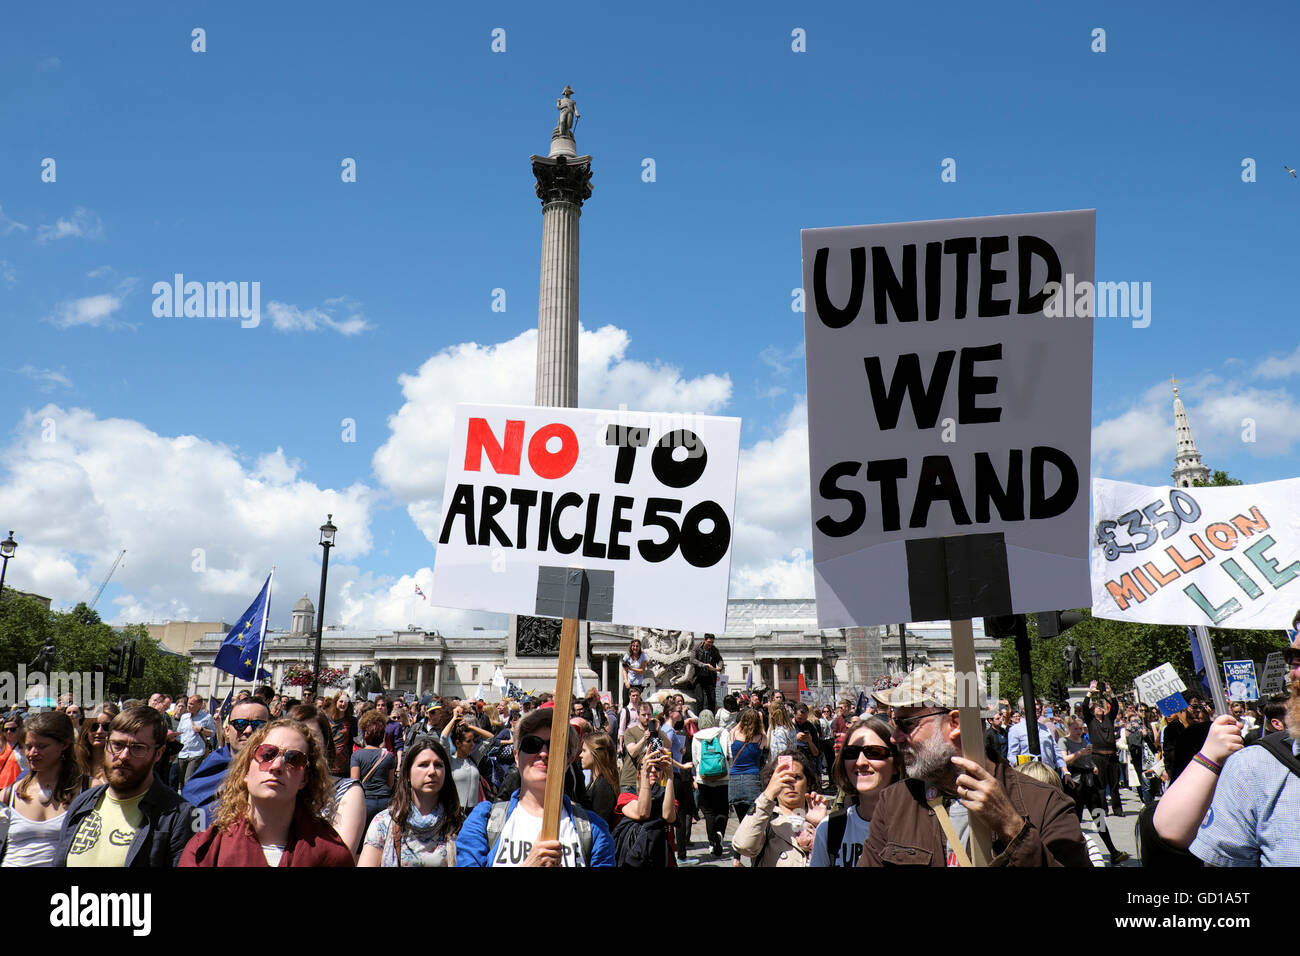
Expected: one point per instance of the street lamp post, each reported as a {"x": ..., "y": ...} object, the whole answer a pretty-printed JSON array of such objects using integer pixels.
[
  {"x": 327, "y": 532},
  {"x": 7, "y": 548}
]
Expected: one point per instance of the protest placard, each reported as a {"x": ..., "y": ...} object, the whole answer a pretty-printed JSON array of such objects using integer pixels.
[
  {"x": 949, "y": 419},
  {"x": 1239, "y": 676},
  {"x": 1160, "y": 682},
  {"x": 645, "y": 499},
  {"x": 1273, "y": 680},
  {"x": 1222, "y": 557}
]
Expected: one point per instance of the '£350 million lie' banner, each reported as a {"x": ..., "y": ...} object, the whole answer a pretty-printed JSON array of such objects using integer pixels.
[{"x": 1221, "y": 557}]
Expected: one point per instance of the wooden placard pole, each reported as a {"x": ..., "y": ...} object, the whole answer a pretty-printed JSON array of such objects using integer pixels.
[
  {"x": 558, "y": 753},
  {"x": 972, "y": 730}
]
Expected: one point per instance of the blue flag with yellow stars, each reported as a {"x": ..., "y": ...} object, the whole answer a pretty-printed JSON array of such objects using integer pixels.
[{"x": 238, "y": 652}]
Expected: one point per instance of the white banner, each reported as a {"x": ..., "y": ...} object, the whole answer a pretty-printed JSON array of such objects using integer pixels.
[
  {"x": 1218, "y": 557},
  {"x": 649, "y": 496},
  {"x": 943, "y": 401},
  {"x": 1274, "y": 679}
]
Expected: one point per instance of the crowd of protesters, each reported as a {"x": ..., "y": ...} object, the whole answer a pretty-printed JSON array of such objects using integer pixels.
[{"x": 277, "y": 780}]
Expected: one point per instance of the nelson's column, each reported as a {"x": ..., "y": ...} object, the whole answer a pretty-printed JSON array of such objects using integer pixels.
[{"x": 563, "y": 183}]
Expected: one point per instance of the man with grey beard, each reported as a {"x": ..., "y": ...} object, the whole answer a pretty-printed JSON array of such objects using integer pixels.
[{"x": 925, "y": 819}]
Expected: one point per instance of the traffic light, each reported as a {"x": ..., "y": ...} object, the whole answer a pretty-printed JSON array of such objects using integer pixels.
[
  {"x": 1056, "y": 623},
  {"x": 115, "y": 655},
  {"x": 1000, "y": 627},
  {"x": 137, "y": 663}
]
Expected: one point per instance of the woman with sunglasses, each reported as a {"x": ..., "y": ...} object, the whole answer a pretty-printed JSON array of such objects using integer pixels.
[
  {"x": 35, "y": 814},
  {"x": 420, "y": 825},
  {"x": 92, "y": 740},
  {"x": 506, "y": 833},
  {"x": 271, "y": 806},
  {"x": 866, "y": 764}
]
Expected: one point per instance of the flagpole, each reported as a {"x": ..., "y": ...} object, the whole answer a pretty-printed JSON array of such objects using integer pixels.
[{"x": 266, "y": 616}]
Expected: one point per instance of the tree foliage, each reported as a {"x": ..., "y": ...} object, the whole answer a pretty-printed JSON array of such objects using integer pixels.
[{"x": 82, "y": 642}]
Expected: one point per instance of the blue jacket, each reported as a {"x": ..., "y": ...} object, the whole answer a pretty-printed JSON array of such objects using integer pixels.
[
  {"x": 471, "y": 842},
  {"x": 168, "y": 825},
  {"x": 201, "y": 789}
]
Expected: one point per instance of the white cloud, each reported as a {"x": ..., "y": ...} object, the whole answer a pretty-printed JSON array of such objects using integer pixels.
[
  {"x": 82, "y": 224},
  {"x": 88, "y": 310},
  {"x": 100, "y": 273},
  {"x": 7, "y": 273},
  {"x": 47, "y": 380},
  {"x": 412, "y": 463},
  {"x": 106, "y": 484},
  {"x": 1279, "y": 366},
  {"x": 290, "y": 318},
  {"x": 48, "y": 63},
  {"x": 1220, "y": 410},
  {"x": 8, "y": 225}
]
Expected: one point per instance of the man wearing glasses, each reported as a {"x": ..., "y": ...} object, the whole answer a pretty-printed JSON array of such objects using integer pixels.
[
  {"x": 135, "y": 819},
  {"x": 246, "y": 718},
  {"x": 1031, "y": 823}
]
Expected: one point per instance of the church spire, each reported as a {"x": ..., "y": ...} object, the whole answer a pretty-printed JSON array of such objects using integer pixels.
[{"x": 1187, "y": 460}]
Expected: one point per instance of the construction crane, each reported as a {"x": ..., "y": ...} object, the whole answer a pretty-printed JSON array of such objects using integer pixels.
[{"x": 103, "y": 584}]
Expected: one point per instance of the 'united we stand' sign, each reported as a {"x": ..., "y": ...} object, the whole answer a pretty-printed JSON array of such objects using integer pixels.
[
  {"x": 949, "y": 417},
  {"x": 647, "y": 496}
]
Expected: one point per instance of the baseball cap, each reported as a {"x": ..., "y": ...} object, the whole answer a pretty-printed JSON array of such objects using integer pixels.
[{"x": 924, "y": 687}]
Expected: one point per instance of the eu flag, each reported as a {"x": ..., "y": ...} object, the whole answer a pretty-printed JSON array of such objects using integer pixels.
[
  {"x": 1198, "y": 665},
  {"x": 239, "y": 651}
]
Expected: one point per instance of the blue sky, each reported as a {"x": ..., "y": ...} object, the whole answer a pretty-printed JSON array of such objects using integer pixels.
[{"x": 225, "y": 166}]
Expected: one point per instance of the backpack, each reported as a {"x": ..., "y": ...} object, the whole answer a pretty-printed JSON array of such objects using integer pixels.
[
  {"x": 500, "y": 813},
  {"x": 713, "y": 763},
  {"x": 1279, "y": 745},
  {"x": 837, "y": 822}
]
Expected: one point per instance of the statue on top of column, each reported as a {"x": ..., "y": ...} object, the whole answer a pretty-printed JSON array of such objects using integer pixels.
[{"x": 568, "y": 115}]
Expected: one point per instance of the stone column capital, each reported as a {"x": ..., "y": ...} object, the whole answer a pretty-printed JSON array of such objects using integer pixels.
[{"x": 562, "y": 180}]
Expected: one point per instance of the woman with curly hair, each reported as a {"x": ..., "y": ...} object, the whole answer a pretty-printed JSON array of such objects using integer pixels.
[
  {"x": 271, "y": 806},
  {"x": 92, "y": 740},
  {"x": 419, "y": 827}
]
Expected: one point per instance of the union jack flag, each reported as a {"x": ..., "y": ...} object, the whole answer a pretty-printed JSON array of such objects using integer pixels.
[{"x": 419, "y": 592}]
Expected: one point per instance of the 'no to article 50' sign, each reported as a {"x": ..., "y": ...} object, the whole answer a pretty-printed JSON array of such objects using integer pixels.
[{"x": 649, "y": 496}]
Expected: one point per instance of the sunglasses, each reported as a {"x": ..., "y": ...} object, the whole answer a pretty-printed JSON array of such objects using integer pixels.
[
  {"x": 265, "y": 756},
  {"x": 872, "y": 751},
  {"x": 101, "y": 726},
  {"x": 242, "y": 724},
  {"x": 906, "y": 725},
  {"x": 533, "y": 745}
]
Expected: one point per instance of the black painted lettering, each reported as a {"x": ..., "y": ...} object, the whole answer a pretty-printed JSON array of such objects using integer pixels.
[
  {"x": 1009, "y": 499},
  {"x": 591, "y": 548},
  {"x": 885, "y": 284},
  {"x": 831, "y": 315},
  {"x": 969, "y": 385},
  {"x": 962, "y": 248},
  {"x": 617, "y": 526},
  {"x": 1040, "y": 504},
  {"x": 494, "y": 499},
  {"x": 1027, "y": 247},
  {"x": 933, "y": 273},
  {"x": 938, "y": 482},
  {"x": 544, "y": 521},
  {"x": 830, "y": 490},
  {"x": 523, "y": 499},
  {"x": 887, "y": 471},
  {"x": 462, "y": 503},
  {"x": 563, "y": 544},
  {"x": 926, "y": 401},
  {"x": 991, "y": 246}
]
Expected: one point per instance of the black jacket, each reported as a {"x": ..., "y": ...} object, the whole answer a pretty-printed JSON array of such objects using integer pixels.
[{"x": 169, "y": 823}]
